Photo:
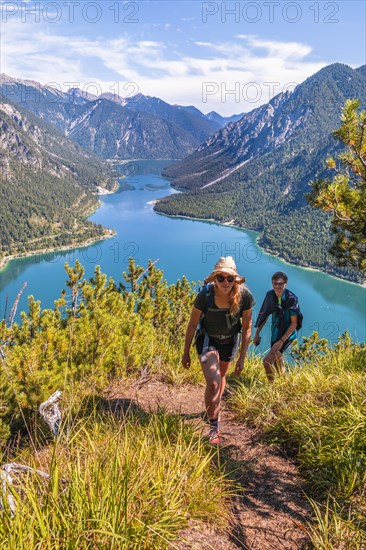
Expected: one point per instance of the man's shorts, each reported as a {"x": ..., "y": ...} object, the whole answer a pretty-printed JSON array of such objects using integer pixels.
[{"x": 227, "y": 348}]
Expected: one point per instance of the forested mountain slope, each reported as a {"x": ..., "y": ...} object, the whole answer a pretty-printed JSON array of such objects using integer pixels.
[
  {"x": 48, "y": 185},
  {"x": 255, "y": 172}
]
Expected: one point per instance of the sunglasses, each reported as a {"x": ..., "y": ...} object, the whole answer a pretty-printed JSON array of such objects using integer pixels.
[
  {"x": 222, "y": 278},
  {"x": 278, "y": 284}
]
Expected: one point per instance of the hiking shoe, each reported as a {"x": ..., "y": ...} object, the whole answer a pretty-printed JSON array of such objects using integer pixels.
[{"x": 214, "y": 437}]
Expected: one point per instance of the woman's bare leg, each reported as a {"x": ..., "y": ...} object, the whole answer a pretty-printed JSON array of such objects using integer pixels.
[
  {"x": 212, "y": 374},
  {"x": 224, "y": 366}
]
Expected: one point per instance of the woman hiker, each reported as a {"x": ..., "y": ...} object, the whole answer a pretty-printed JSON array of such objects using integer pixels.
[{"x": 223, "y": 308}]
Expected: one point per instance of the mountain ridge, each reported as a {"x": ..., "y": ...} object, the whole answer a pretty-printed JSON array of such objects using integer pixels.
[{"x": 169, "y": 131}]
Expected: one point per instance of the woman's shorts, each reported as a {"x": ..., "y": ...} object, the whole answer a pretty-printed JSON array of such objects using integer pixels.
[{"x": 227, "y": 349}]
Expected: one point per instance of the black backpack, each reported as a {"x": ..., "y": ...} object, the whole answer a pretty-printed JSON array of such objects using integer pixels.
[{"x": 209, "y": 295}]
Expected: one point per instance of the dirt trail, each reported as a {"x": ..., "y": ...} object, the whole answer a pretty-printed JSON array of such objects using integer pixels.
[{"x": 271, "y": 512}]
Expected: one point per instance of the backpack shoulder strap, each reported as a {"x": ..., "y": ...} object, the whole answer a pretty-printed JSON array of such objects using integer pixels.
[{"x": 208, "y": 289}]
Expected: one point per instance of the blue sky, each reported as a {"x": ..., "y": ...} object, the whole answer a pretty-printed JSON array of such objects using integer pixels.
[{"x": 229, "y": 57}]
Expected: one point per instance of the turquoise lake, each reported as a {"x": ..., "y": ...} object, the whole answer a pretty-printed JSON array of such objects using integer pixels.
[{"x": 184, "y": 247}]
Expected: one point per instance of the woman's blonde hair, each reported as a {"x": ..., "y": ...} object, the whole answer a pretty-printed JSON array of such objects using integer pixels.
[{"x": 235, "y": 298}]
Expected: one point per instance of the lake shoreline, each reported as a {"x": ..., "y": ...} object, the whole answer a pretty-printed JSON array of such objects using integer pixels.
[
  {"x": 109, "y": 233},
  {"x": 265, "y": 249},
  {"x": 8, "y": 259}
]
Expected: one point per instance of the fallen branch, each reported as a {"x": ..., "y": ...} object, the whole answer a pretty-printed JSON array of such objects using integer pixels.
[{"x": 50, "y": 412}]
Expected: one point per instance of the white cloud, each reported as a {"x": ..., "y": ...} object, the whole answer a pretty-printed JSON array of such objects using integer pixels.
[
  {"x": 286, "y": 50},
  {"x": 219, "y": 72}
]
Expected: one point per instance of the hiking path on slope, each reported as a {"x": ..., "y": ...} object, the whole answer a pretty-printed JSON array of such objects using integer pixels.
[{"x": 271, "y": 511}]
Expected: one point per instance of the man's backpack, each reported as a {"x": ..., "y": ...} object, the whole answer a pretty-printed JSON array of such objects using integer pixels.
[
  {"x": 270, "y": 305},
  {"x": 300, "y": 318}
]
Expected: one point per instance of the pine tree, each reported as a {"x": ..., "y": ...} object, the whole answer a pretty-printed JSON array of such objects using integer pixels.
[{"x": 345, "y": 195}]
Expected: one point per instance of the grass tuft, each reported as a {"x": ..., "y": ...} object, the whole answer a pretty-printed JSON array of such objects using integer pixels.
[{"x": 128, "y": 485}]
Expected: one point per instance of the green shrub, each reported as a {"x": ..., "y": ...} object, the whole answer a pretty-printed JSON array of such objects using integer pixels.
[{"x": 95, "y": 333}]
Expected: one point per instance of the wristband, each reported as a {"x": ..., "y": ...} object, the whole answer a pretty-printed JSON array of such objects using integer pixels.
[{"x": 282, "y": 340}]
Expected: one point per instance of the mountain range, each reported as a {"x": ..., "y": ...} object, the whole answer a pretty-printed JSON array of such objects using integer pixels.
[
  {"x": 255, "y": 172},
  {"x": 114, "y": 127}
]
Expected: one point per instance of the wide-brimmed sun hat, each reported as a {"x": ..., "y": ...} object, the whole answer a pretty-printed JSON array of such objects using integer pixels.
[{"x": 225, "y": 265}]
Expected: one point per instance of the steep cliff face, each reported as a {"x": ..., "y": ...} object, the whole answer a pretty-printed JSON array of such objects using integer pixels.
[
  {"x": 116, "y": 132},
  {"x": 29, "y": 141}
]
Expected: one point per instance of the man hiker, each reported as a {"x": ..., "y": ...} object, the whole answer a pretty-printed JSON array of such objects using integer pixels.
[{"x": 283, "y": 305}]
